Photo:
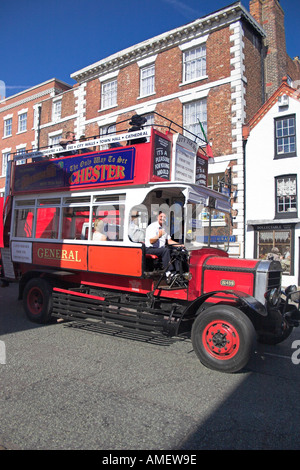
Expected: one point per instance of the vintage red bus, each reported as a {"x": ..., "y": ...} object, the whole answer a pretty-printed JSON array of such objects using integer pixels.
[{"x": 54, "y": 203}]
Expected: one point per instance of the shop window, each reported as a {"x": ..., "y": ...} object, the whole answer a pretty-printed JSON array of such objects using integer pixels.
[
  {"x": 285, "y": 137},
  {"x": 277, "y": 245},
  {"x": 286, "y": 196}
]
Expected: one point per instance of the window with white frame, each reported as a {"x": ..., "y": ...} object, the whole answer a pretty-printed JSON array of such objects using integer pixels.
[
  {"x": 5, "y": 158},
  {"x": 7, "y": 127},
  {"x": 109, "y": 94},
  {"x": 215, "y": 181},
  {"x": 56, "y": 110},
  {"x": 149, "y": 119},
  {"x": 35, "y": 118},
  {"x": 194, "y": 63},
  {"x": 147, "y": 80},
  {"x": 104, "y": 131},
  {"x": 286, "y": 196},
  {"x": 22, "y": 122},
  {"x": 21, "y": 151},
  {"x": 149, "y": 122},
  {"x": 54, "y": 139},
  {"x": 195, "y": 113},
  {"x": 285, "y": 136}
]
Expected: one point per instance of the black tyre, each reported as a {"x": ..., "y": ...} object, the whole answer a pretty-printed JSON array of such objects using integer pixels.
[
  {"x": 223, "y": 338},
  {"x": 37, "y": 300}
]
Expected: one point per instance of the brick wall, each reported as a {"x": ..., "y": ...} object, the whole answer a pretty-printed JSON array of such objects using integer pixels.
[
  {"x": 67, "y": 122},
  {"x": 270, "y": 15},
  {"x": 128, "y": 86},
  {"x": 219, "y": 114},
  {"x": 168, "y": 81},
  {"x": 254, "y": 69},
  {"x": 93, "y": 88},
  {"x": 256, "y": 10},
  {"x": 218, "y": 54},
  {"x": 168, "y": 67}
]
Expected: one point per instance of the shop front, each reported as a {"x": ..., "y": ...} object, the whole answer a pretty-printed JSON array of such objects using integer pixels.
[{"x": 279, "y": 241}]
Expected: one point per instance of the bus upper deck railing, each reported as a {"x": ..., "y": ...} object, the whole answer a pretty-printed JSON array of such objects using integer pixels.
[{"x": 138, "y": 132}]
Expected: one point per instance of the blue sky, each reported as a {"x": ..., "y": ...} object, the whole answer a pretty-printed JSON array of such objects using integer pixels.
[{"x": 44, "y": 39}]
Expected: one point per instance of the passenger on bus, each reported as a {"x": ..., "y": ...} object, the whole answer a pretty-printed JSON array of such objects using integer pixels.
[
  {"x": 84, "y": 149},
  {"x": 98, "y": 234},
  {"x": 69, "y": 139},
  {"x": 135, "y": 233},
  {"x": 157, "y": 240}
]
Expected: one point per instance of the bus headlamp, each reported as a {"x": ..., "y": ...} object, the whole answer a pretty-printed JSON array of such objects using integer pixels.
[
  {"x": 290, "y": 289},
  {"x": 273, "y": 296}
]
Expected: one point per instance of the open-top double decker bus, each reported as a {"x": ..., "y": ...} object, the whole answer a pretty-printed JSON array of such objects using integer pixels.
[{"x": 54, "y": 203}]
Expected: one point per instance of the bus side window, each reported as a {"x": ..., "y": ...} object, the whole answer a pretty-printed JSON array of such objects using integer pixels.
[
  {"x": 23, "y": 222},
  {"x": 112, "y": 217},
  {"x": 74, "y": 219},
  {"x": 47, "y": 222}
]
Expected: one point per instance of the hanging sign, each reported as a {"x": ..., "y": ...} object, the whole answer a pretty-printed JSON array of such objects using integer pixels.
[
  {"x": 201, "y": 170},
  {"x": 185, "y": 157},
  {"x": 162, "y": 157}
]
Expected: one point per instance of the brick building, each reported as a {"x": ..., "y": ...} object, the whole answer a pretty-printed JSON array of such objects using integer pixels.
[
  {"x": 218, "y": 69},
  {"x": 20, "y": 120},
  {"x": 277, "y": 63}
]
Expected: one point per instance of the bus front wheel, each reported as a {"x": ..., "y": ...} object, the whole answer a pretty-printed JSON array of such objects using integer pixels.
[
  {"x": 37, "y": 300},
  {"x": 223, "y": 338}
]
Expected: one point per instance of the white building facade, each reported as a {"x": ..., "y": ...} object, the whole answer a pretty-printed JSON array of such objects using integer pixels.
[{"x": 272, "y": 170}]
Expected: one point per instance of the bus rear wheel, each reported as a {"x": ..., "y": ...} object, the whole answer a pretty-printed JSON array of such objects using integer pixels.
[
  {"x": 223, "y": 338},
  {"x": 37, "y": 300}
]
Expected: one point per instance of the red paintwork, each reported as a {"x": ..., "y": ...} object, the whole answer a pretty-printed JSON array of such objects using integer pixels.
[
  {"x": 1, "y": 222},
  {"x": 214, "y": 330},
  {"x": 114, "y": 281},
  {"x": 213, "y": 270},
  {"x": 198, "y": 257},
  {"x": 233, "y": 263},
  {"x": 143, "y": 167},
  {"x": 121, "y": 268}
]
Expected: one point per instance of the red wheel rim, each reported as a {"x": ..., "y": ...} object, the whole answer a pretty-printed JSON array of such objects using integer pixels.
[
  {"x": 35, "y": 301},
  {"x": 221, "y": 340}
]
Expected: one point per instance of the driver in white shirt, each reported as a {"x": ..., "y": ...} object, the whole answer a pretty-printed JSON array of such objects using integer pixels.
[{"x": 156, "y": 241}]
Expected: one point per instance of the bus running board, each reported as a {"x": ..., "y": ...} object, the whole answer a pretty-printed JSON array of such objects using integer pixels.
[{"x": 79, "y": 306}]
